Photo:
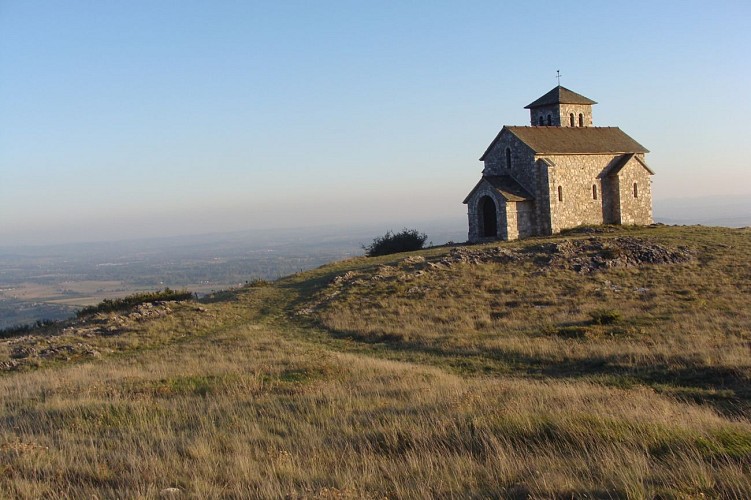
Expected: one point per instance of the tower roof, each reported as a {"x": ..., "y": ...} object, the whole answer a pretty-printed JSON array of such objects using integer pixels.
[{"x": 560, "y": 95}]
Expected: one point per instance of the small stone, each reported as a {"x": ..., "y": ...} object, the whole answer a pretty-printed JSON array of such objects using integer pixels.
[{"x": 170, "y": 492}]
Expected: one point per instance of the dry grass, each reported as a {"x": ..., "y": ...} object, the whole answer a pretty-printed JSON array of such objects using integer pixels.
[
  {"x": 681, "y": 328},
  {"x": 265, "y": 406}
]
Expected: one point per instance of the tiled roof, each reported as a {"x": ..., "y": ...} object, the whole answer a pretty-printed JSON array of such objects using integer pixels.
[
  {"x": 560, "y": 95},
  {"x": 506, "y": 187},
  {"x": 573, "y": 140}
]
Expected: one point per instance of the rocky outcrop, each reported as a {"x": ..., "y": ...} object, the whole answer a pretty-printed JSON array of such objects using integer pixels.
[
  {"x": 582, "y": 256},
  {"x": 80, "y": 338}
]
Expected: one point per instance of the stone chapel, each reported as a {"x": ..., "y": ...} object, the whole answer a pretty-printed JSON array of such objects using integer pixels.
[{"x": 558, "y": 173}]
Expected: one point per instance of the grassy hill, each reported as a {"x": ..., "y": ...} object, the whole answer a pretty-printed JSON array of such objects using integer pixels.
[{"x": 603, "y": 363}]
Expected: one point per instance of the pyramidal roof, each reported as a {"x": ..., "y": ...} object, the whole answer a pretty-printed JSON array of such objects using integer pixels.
[{"x": 560, "y": 95}]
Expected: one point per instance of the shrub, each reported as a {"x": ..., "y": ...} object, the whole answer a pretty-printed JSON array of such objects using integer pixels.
[
  {"x": 18, "y": 330},
  {"x": 110, "y": 305},
  {"x": 605, "y": 316},
  {"x": 406, "y": 240}
]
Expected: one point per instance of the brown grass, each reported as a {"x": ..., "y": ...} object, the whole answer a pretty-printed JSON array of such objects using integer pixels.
[
  {"x": 470, "y": 404},
  {"x": 680, "y": 327}
]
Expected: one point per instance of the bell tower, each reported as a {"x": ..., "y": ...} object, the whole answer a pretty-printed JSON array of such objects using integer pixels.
[{"x": 561, "y": 108}]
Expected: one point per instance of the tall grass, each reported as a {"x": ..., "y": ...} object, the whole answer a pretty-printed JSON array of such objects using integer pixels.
[
  {"x": 682, "y": 328},
  {"x": 505, "y": 403},
  {"x": 252, "y": 414}
]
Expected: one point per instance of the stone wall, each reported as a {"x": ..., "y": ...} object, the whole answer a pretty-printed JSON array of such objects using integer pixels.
[
  {"x": 524, "y": 219},
  {"x": 611, "y": 206},
  {"x": 576, "y": 175},
  {"x": 514, "y": 219},
  {"x": 635, "y": 208},
  {"x": 560, "y": 115},
  {"x": 543, "y": 112},
  {"x": 474, "y": 214},
  {"x": 542, "y": 199},
  {"x": 580, "y": 178},
  {"x": 526, "y": 172},
  {"x": 567, "y": 109},
  {"x": 522, "y": 160}
]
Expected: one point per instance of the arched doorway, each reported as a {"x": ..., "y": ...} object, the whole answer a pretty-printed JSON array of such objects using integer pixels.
[{"x": 489, "y": 217}]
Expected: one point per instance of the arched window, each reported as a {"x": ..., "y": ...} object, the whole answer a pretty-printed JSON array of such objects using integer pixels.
[
  {"x": 594, "y": 191},
  {"x": 508, "y": 157},
  {"x": 541, "y": 121},
  {"x": 581, "y": 120},
  {"x": 636, "y": 191},
  {"x": 550, "y": 120},
  {"x": 571, "y": 117},
  {"x": 560, "y": 193}
]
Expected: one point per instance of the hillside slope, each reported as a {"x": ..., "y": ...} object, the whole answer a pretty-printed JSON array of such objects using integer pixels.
[{"x": 611, "y": 363}]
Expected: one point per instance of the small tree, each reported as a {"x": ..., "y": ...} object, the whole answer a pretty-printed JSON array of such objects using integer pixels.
[{"x": 406, "y": 240}]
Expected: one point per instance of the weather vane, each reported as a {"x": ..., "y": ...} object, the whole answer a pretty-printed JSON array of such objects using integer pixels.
[{"x": 558, "y": 75}]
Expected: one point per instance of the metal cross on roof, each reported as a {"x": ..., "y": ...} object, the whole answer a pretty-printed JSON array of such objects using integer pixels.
[{"x": 558, "y": 75}]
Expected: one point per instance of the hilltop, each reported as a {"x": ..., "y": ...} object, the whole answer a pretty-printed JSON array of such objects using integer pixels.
[{"x": 604, "y": 362}]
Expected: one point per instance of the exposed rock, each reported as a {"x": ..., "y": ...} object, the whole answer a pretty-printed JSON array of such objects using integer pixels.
[
  {"x": 414, "y": 259},
  {"x": 344, "y": 278},
  {"x": 579, "y": 255},
  {"x": 586, "y": 256},
  {"x": 63, "y": 341},
  {"x": 21, "y": 352},
  {"x": 9, "y": 365},
  {"x": 582, "y": 256}
]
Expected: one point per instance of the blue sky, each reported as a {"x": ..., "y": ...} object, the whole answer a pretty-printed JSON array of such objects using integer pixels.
[{"x": 145, "y": 118}]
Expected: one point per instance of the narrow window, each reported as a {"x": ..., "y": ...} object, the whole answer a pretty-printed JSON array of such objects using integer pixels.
[
  {"x": 571, "y": 117},
  {"x": 636, "y": 191},
  {"x": 508, "y": 157},
  {"x": 560, "y": 193},
  {"x": 550, "y": 120},
  {"x": 581, "y": 120},
  {"x": 594, "y": 191},
  {"x": 541, "y": 121}
]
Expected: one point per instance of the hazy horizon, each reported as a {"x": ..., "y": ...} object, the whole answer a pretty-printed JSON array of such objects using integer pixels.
[{"x": 727, "y": 211}]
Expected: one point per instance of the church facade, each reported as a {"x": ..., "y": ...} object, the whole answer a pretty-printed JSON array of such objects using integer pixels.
[{"x": 559, "y": 172}]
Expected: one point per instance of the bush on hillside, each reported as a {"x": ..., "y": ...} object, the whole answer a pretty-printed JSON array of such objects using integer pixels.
[
  {"x": 605, "y": 316},
  {"x": 18, "y": 330},
  {"x": 406, "y": 240},
  {"x": 110, "y": 305}
]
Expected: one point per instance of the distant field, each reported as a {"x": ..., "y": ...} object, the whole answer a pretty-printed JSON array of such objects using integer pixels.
[
  {"x": 52, "y": 282},
  {"x": 26, "y": 303}
]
